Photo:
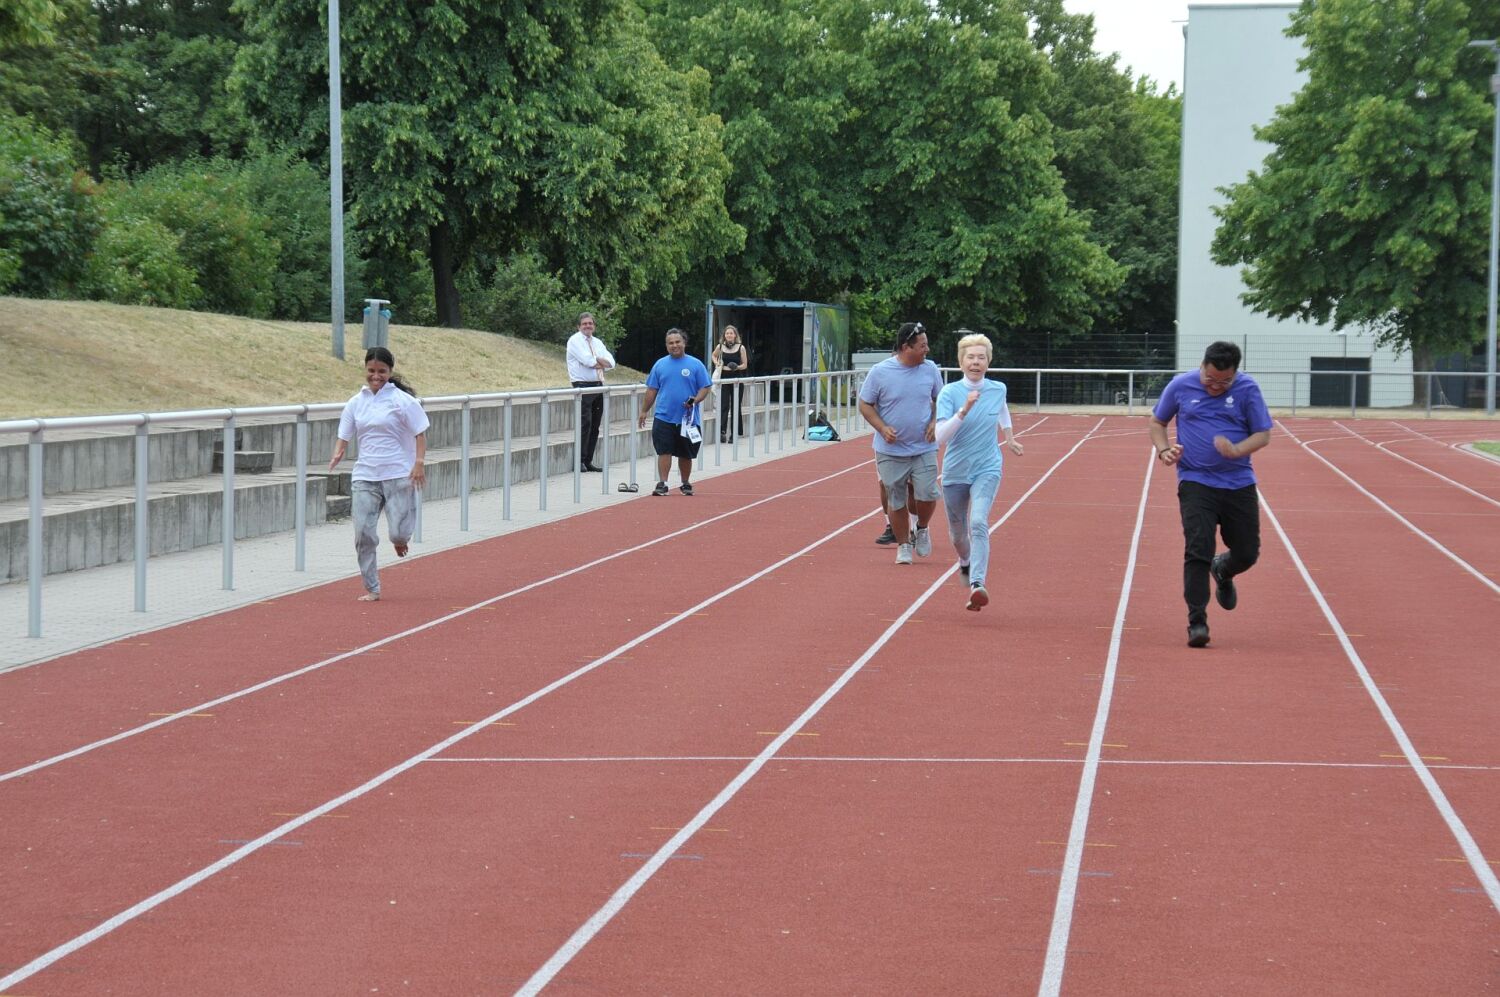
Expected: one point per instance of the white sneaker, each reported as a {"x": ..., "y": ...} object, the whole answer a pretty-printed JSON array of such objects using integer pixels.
[
  {"x": 903, "y": 553},
  {"x": 978, "y": 598},
  {"x": 923, "y": 542}
]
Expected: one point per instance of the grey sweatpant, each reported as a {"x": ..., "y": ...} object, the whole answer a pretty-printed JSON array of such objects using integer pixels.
[{"x": 398, "y": 497}]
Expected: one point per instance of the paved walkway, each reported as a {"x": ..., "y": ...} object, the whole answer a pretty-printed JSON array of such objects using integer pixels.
[{"x": 82, "y": 609}]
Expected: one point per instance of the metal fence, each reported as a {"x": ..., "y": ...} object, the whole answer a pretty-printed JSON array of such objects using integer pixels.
[{"x": 775, "y": 410}]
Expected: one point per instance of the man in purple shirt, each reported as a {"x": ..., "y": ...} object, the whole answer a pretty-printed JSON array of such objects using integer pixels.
[{"x": 1221, "y": 420}]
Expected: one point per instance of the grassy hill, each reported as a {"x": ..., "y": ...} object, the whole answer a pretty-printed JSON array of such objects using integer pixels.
[{"x": 92, "y": 358}]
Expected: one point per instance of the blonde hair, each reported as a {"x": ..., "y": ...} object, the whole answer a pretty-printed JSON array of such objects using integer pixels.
[{"x": 974, "y": 339}]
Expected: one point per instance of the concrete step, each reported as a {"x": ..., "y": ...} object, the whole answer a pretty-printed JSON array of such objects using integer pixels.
[
  {"x": 97, "y": 527},
  {"x": 245, "y": 461}
]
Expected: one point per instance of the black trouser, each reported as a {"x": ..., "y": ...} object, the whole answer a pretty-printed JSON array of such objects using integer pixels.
[
  {"x": 1235, "y": 513},
  {"x": 731, "y": 402},
  {"x": 593, "y": 414}
]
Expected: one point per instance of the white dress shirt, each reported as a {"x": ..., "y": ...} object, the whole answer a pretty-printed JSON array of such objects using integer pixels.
[
  {"x": 386, "y": 426},
  {"x": 582, "y": 352}
]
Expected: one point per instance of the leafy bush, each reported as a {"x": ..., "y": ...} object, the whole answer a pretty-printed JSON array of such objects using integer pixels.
[
  {"x": 222, "y": 239},
  {"x": 137, "y": 261},
  {"x": 48, "y": 215},
  {"x": 522, "y": 298}
]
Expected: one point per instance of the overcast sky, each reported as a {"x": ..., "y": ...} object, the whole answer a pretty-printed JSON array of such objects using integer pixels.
[{"x": 1146, "y": 33}]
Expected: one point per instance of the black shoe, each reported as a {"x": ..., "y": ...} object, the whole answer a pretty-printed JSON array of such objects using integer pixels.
[
  {"x": 1197, "y": 635},
  {"x": 963, "y": 569},
  {"x": 591, "y": 467},
  {"x": 887, "y": 538},
  {"x": 1225, "y": 593},
  {"x": 661, "y": 489},
  {"x": 686, "y": 488}
]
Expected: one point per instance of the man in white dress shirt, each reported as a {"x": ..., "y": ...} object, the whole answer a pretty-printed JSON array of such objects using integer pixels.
[{"x": 588, "y": 359}]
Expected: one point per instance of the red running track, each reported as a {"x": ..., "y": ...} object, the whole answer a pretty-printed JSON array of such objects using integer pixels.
[{"x": 723, "y": 744}]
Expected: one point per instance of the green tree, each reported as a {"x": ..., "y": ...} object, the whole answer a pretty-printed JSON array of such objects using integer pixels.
[
  {"x": 48, "y": 212},
  {"x": 1118, "y": 148},
  {"x": 1372, "y": 207},
  {"x": 28, "y": 22},
  {"x": 499, "y": 127},
  {"x": 967, "y": 222}
]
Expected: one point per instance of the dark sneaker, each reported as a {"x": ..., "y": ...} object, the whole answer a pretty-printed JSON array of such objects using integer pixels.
[
  {"x": 686, "y": 488},
  {"x": 1224, "y": 592},
  {"x": 661, "y": 489},
  {"x": 978, "y": 598},
  {"x": 963, "y": 569},
  {"x": 887, "y": 538},
  {"x": 1197, "y": 635}
]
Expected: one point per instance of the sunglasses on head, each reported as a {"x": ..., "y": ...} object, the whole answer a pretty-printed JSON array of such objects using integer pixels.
[{"x": 910, "y": 334}]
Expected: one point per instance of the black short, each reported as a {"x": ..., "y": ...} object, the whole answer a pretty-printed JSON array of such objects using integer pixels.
[{"x": 668, "y": 441}]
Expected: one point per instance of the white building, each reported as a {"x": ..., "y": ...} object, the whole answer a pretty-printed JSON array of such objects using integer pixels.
[{"x": 1240, "y": 66}]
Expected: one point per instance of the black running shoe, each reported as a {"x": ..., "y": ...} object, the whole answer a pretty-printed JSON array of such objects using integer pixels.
[
  {"x": 661, "y": 489},
  {"x": 887, "y": 538},
  {"x": 1197, "y": 635},
  {"x": 686, "y": 488},
  {"x": 1224, "y": 593}
]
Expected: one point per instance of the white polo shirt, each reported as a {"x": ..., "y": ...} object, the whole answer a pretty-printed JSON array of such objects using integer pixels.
[{"x": 386, "y": 426}]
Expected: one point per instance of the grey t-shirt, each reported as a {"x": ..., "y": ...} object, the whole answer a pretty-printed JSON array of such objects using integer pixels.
[{"x": 903, "y": 397}]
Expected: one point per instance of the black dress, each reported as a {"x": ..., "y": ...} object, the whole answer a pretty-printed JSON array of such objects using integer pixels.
[{"x": 739, "y": 357}]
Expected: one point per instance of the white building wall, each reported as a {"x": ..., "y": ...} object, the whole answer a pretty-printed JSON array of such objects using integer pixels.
[{"x": 1240, "y": 66}]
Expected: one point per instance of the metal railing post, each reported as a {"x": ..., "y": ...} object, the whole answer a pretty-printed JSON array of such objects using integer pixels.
[
  {"x": 505, "y": 461},
  {"x": 577, "y": 446},
  {"x": 299, "y": 558},
  {"x": 750, "y": 435},
  {"x": 227, "y": 515},
  {"x": 541, "y": 467},
  {"x": 635, "y": 433},
  {"x": 35, "y": 561},
  {"x": 463, "y": 468},
  {"x": 1429, "y": 396},
  {"x": 1130, "y": 393},
  {"x": 1353, "y": 395},
  {"x": 142, "y": 514},
  {"x": 605, "y": 417},
  {"x": 1038, "y": 409}
]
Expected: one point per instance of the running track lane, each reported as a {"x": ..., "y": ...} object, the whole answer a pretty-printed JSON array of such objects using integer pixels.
[
  {"x": 162, "y": 912},
  {"x": 1268, "y": 833},
  {"x": 101, "y": 830}
]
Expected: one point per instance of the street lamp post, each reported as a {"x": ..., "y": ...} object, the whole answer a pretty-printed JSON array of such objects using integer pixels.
[
  {"x": 1493, "y": 46},
  {"x": 335, "y": 181}
]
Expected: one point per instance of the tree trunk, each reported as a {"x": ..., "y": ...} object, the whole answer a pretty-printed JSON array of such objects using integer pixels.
[{"x": 444, "y": 290}]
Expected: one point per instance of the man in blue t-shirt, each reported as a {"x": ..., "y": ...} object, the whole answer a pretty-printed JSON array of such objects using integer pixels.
[
  {"x": 898, "y": 400},
  {"x": 1221, "y": 420},
  {"x": 675, "y": 390}
]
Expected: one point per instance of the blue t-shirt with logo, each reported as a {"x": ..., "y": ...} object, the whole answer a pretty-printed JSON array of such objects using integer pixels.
[
  {"x": 1236, "y": 414},
  {"x": 676, "y": 379},
  {"x": 975, "y": 449}
]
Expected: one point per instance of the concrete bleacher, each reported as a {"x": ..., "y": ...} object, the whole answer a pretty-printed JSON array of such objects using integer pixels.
[{"x": 89, "y": 475}]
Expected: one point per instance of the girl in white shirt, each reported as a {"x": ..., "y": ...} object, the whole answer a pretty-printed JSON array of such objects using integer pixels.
[{"x": 391, "y": 428}]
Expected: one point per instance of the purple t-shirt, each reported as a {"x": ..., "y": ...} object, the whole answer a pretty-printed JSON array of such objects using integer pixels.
[{"x": 1236, "y": 414}]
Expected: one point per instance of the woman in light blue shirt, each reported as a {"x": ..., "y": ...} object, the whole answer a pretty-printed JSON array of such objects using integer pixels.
[{"x": 969, "y": 412}]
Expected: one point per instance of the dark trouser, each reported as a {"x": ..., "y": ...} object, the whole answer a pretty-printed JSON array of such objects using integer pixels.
[
  {"x": 1235, "y": 513},
  {"x": 731, "y": 419},
  {"x": 593, "y": 414}
]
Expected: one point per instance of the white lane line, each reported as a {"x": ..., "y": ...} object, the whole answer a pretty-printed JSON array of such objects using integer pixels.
[
  {"x": 1456, "y": 445},
  {"x": 1062, "y": 915},
  {"x": 587, "y": 931},
  {"x": 1385, "y": 449},
  {"x": 1466, "y": 842},
  {"x": 288, "y": 676},
  {"x": 271, "y": 837},
  {"x": 919, "y": 760},
  {"x": 1465, "y": 565}
]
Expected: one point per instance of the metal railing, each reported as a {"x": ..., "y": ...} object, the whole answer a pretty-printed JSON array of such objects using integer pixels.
[{"x": 772, "y": 407}]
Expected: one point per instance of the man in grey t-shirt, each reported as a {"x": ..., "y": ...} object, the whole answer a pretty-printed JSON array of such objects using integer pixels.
[{"x": 899, "y": 400}]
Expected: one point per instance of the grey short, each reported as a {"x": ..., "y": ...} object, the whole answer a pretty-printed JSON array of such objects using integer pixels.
[{"x": 920, "y": 470}]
